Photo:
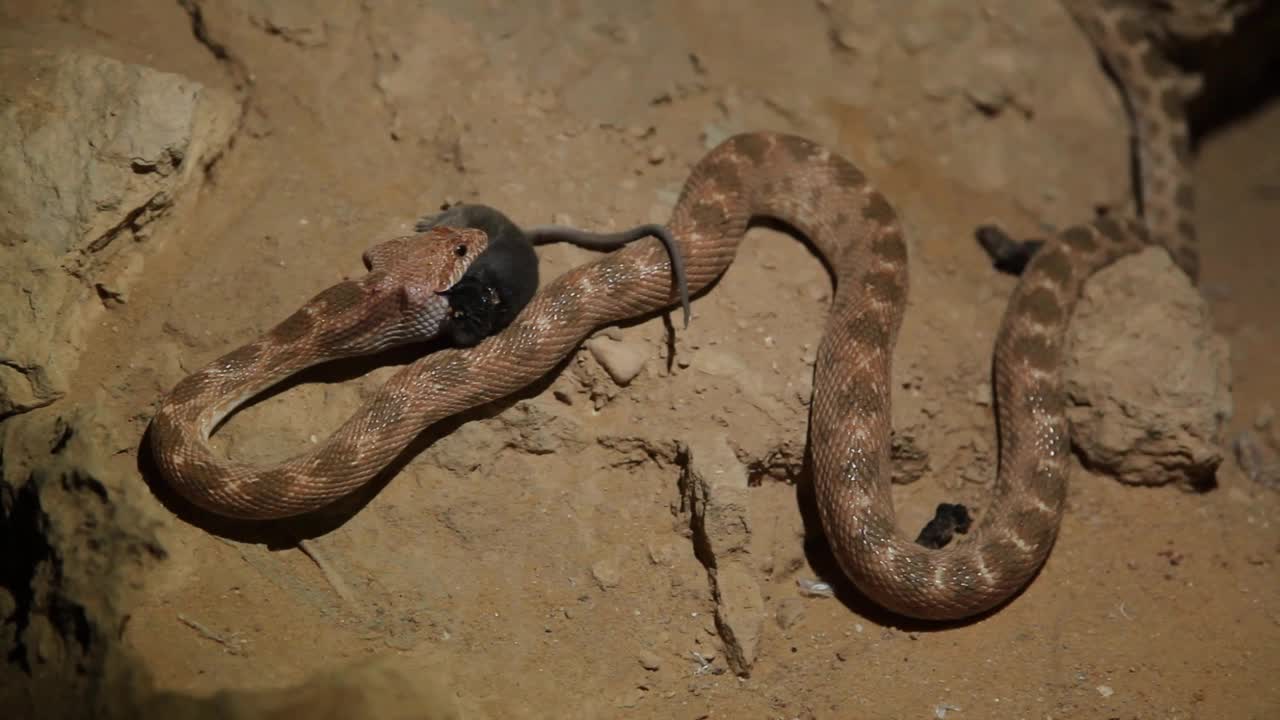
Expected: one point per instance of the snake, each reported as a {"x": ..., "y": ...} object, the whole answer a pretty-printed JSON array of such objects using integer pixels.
[
  {"x": 788, "y": 178},
  {"x": 1129, "y": 38}
]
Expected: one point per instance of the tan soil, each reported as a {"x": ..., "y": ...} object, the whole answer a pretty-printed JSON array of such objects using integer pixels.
[{"x": 535, "y": 560}]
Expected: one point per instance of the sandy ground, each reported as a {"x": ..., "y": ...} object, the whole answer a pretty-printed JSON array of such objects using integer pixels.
[{"x": 536, "y": 557}]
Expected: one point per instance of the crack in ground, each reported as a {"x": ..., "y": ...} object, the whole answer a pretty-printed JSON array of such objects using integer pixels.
[
  {"x": 243, "y": 78},
  {"x": 366, "y": 20}
]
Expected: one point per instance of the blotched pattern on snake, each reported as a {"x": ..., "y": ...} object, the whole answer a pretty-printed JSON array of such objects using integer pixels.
[{"x": 857, "y": 233}]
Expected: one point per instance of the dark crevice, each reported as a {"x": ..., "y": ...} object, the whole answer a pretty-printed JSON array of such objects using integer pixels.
[
  {"x": 22, "y": 526},
  {"x": 1241, "y": 73},
  {"x": 78, "y": 481},
  {"x": 201, "y": 31},
  {"x": 133, "y": 221},
  {"x": 243, "y": 79},
  {"x": 689, "y": 504}
]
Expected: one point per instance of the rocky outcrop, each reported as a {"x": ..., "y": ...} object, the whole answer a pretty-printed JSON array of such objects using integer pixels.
[
  {"x": 92, "y": 151},
  {"x": 1148, "y": 380}
]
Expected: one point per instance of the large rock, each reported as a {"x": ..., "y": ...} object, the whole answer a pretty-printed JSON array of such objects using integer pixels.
[
  {"x": 91, "y": 151},
  {"x": 1148, "y": 380},
  {"x": 717, "y": 494},
  {"x": 77, "y": 540}
]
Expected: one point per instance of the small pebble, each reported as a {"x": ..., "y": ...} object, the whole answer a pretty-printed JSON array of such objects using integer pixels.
[
  {"x": 649, "y": 660},
  {"x": 940, "y": 711},
  {"x": 1266, "y": 415},
  {"x": 622, "y": 360},
  {"x": 630, "y": 698},
  {"x": 846, "y": 39},
  {"x": 662, "y": 554},
  {"x": 982, "y": 394},
  {"x": 789, "y": 613},
  {"x": 605, "y": 573}
]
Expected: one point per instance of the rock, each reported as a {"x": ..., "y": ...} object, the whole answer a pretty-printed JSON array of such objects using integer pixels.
[
  {"x": 662, "y": 554},
  {"x": 630, "y": 698},
  {"x": 82, "y": 537},
  {"x": 718, "y": 363},
  {"x": 1258, "y": 458},
  {"x": 540, "y": 427},
  {"x": 605, "y": 572},
  {"x": 783, "y": 461},
  {"x": 468, "y": 449},
  {"x": 1266, "y": 416},
  {"x": 91, "y": 151},
  {"x": 789, "y": 613},
  {"x": 717, "y": 493},
  {"x": 740, "y": 614},
  {"x": 623, "y": 360},
  {"x": 649, "y": 660},
  {"x": 910, "y": 461},
  {"x": 1148, "y": 381},
  {"x": 990, "y": 88},
  {"x": 982, "y": 394}
]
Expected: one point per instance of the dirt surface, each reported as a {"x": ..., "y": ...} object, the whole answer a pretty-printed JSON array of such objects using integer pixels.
[{"x": 548, "y": 556}]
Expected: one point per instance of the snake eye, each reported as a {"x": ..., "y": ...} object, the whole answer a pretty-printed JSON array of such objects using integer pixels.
[{"x": 460, "y": 250}]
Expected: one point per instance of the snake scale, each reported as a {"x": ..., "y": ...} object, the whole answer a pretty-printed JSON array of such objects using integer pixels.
[{"x": 854, "y": 229}]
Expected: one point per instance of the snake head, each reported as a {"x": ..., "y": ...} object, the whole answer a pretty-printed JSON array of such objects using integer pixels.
[
  {"x": 471, "y": 265},
  {"x": 434, "y": 260},
  {"x": 400, "y": 300}
]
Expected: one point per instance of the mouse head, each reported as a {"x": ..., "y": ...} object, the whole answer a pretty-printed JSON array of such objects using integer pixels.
[{"x": 492, "y": 292}]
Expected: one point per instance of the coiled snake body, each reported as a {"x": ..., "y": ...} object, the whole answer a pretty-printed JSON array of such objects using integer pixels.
[{"x": 856, "y": 232}]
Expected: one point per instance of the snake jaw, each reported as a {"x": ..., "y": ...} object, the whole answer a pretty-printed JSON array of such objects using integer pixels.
[{"x": 415, "y": 297}]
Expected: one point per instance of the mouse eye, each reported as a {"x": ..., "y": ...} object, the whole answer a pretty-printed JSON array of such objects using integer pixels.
[{"x": 460, "y": 250}]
